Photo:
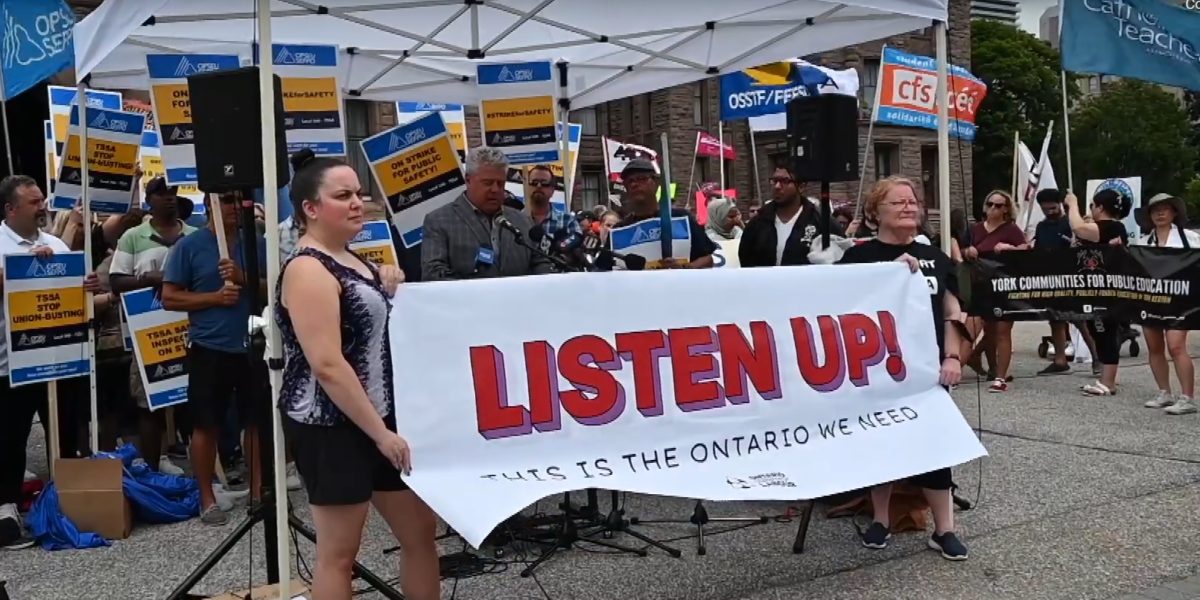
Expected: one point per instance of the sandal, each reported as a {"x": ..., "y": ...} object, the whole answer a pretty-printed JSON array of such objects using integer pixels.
[{"x": 1097, "y": 389}]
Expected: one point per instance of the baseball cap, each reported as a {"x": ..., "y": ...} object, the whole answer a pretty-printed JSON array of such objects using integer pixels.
[
  {"x": 158, "y": 187},
  {"x": 639, "y": 165}
]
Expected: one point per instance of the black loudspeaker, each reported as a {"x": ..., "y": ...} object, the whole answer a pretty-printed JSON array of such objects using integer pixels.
[
  {"x": 227, "y": 131},
  {"x": 822, "y": 136}
]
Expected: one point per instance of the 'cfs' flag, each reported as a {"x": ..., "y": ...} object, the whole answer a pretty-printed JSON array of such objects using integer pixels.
[{"x": 907, "y": 94}]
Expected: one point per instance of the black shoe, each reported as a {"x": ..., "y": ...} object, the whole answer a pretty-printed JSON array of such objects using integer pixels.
[
  {"x": 1055, "y": 369},
  {"x": 949, "y": 545},
  {"x": 12, "y": 534},
  {"x": 876, "y": 536}
]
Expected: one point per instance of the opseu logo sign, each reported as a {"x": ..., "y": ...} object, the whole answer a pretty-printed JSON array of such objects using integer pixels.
[{"x": 37, "y": 42}]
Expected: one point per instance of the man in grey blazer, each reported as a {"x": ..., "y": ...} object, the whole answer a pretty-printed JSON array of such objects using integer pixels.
[{"x": 464, "y": 240}]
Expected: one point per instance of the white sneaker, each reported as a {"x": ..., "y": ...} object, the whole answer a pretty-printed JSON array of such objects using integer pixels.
[
  {"x": 30, "y": 476},
  {"x": 293, "y": 478},
  {"x": 227, "y": 498},
  {"x": 1162, "y": 400},
  {"x": 167, "y": 467},
  {"x": 1183, "y": 406},
  {"x": 1070, "y": 351}
]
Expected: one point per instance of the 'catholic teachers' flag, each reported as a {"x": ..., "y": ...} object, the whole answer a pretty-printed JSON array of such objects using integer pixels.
[{"x": 1149, "y": 40}]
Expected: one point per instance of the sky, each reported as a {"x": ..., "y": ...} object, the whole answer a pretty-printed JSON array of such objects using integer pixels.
[{"x": 1031, "y": 11}]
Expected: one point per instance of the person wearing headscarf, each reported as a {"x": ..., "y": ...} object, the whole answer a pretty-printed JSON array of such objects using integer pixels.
[{"x": 724, "y": 220}]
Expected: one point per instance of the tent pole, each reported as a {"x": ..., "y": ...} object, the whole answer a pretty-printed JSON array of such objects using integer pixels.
[
  {"x": 86, "y": 203},
  {"x": 721, "y": 143},
  {"x": 266, "y": 96},
  {"x": 943, "y": 136}
]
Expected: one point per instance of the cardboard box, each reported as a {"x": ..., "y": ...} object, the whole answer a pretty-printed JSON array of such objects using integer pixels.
[
  {"x": 91, "y": 495},
  {"x": 298, "y": 591}
]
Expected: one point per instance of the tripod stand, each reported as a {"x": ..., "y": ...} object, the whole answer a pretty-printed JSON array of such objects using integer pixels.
[
  {"x": 264, "y": 510},
  {"x": 700, "y": 518},
  {"x": 569, "y": 533}
]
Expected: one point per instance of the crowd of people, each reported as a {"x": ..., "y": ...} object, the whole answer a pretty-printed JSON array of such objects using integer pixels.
[{"x": 337, "y": 394}]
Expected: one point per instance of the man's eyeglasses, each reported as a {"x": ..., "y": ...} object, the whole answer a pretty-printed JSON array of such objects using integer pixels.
[
  {"x": 540, "y": 183},
  {"x": 781, "y": 181}
]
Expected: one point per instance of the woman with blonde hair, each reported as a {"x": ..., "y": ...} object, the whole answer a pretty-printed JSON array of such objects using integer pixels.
[
  {"x": 893, "y": 205},
  {"x": 998, "y": 232}
]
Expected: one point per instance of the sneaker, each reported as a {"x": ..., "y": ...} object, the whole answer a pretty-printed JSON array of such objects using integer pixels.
[
  {"x": 1183, "y": 406},
  {"x": 876, "y": 536},
  {"x": 214, "y": 516},
  {"x": 1162, "y": 400},
  {"x": 1055, "y": 369},
  {"x": 293, "y": 478},
  {"x": 12, "y": 532},
  {"x": 949, "y": 545},
  {"x": 1070, "y": 353},
  {"x": 166, "y": 467},
  {"x": 227, "y": 499},
  {"x": 998, "y": 386},
  {"x": 30, "y": 476}
]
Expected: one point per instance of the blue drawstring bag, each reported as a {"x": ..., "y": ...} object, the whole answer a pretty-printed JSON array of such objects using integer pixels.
[{"x": 53, "y": 530}]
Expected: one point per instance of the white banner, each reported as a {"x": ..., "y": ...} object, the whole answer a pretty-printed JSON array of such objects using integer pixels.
[
  {"x": 160, "y": 339},
  {"x": 47, "y": 323},
  {"x": 642, "y": 238},
  {"x": 726, "y": 256},
  {"x": 767, "y": 396}
]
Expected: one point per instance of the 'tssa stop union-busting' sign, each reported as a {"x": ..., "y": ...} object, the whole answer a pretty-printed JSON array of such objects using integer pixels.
[
  {"x": 768, "y": 397},
  {"x": 908, "y": 94}
]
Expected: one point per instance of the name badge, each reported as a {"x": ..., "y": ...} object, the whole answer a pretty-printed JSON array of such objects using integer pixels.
[{"x": 485, "y": 256}]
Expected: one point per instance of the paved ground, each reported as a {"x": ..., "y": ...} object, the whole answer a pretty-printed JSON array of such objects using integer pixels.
[{"x": 1082, "y": 498}]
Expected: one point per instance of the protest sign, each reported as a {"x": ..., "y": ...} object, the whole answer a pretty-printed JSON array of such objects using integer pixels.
[
  {"x": 418, "y": 170},
  {"x": 374, "y": 243},
  {"x": 643, "y": 239},
  {"x": 453, "y": 115},
  {"x": 172, "y": 104},
  {"x": 47, "y": 323},
  {"x": 768, "y": 396},
  {"x": 908, "y": 94},
  {"x": 312, "y": 98},
  {"x": 726, "y": 256},
  {"x": 160, "y": 343},
  {"x": 114, "y": 141},
  {"x": 1159, "y": 287},
  {"x": 518, "y": 110},
  {"x": 710, "y": 146},
  {"x": 1128, "y": 186},
  {"x": 61, "y": 101},
  {"x": 519, "y": 175},
  {"x": 152, "y": 166}
]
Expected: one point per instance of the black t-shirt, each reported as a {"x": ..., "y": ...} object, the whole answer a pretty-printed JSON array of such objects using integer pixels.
[
  {"x": 935, "y": 266},
  {"x": 1109, "y": 231},
  {"x": 701, "y": 244},
  {"x": 1053, "y": 233}
]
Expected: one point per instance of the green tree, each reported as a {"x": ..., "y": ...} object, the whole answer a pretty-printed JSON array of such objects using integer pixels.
[
  {"x": 1024, "y": 95},
  {"x": 1134, "y": 129}
]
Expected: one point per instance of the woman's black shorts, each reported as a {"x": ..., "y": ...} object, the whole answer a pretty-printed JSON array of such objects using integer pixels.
[{"x": 340, "y": 464}]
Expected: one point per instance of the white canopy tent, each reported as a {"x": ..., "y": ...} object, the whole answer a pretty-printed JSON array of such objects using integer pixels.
[{"x": 426, "y": 50}]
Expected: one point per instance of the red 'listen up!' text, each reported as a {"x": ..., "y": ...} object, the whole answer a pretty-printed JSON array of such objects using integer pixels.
[{"x": 850, "y": 345}]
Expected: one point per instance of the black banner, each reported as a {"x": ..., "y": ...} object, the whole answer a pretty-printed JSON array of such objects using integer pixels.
[{"x": 1159, "y": 287}]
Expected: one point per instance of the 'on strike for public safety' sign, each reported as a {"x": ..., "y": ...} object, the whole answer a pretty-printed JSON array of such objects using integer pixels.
[{"x": 47, "y": 320}]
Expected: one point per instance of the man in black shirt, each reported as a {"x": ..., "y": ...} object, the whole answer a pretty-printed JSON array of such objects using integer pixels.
[
  {"x": 641, "y": 181},
  {"x": 783, "y": 231},
  {"x": 1054, "y": 232}
]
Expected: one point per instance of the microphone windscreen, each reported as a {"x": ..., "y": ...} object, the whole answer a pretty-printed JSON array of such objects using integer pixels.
[
  {"x": 596, "y": 227},
  {"x": 536, "y": 233}
]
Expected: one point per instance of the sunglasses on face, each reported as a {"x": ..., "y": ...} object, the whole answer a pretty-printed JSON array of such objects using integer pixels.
[
  {"x": 540, "y": 183},
  {"x": 996, "y": 205}
]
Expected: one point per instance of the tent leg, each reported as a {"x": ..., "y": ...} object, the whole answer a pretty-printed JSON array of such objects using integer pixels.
[{"x": 943, "y": 137}]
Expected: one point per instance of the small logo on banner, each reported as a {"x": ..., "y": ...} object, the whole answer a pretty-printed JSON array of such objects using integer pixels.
[
  {"x": 27, "y": 340},
  {"x": 228, "y": 170},
  {"x": 19, "y": 46},
  {"x": 764, "y": 480},
  {"x": 100, "y": 122},
  {"x": 179, "y": 135},
  {"x": 186, "y": 67},
  {"x": 646, "y": 234},
  {"x": 508, "y": 75},
  {"x": 286, "y": 57},
  {"x": 37, "y": 269}
]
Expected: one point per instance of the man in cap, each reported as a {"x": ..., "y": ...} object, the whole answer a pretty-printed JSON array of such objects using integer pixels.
[
  {"x": 138, "y": 263},
  {"x": 641, "y": 179}
]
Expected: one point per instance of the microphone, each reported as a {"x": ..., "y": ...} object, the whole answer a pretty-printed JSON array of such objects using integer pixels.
[
  {"x": 503, "y": 222},
  {"x": 537, "y": 234}
]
